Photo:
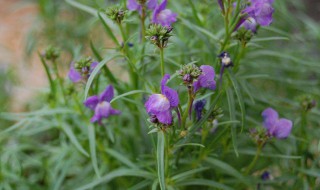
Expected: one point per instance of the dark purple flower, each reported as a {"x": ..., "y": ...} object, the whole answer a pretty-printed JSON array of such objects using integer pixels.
[
  {"x": 101, "y": 105},
  {"x": 160, "y": 105},
  {"x": 134, "y": 5},
  {"x": 277, "y": 127},
  {"x": 206, "y": 79},
  {"x": 76, "y": 76},
  {"x": 265, "y": 176},
  {"x": 163, "y": 16},
  {"x": 221, "y": 4},
  {"x": 198, "y": 107}
]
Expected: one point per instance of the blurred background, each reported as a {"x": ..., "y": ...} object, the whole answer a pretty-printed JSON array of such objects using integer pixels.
[{"x": 28, "y": 26}]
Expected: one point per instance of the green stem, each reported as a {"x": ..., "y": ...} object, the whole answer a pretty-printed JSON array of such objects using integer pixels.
[
  {"x": 52, "y": 86},
  {"x": 189, "y": 106},
  {"x": 162, "y": 62},
  {"x": 143, "y": 28},
  {"x": 60, "y": 80},
  {"x": 254, "y": 161}
]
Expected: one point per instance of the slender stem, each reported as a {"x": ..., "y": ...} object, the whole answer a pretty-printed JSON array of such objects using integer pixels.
[
  {"x": 162, "y": 61},
  {"x": 254, "y": 161},
  {"x": 60, "y": 80},
  {"x": 52, "y": 86},
  {"x": 189, "y": 106},
  {"x": 143, "y": 28}
]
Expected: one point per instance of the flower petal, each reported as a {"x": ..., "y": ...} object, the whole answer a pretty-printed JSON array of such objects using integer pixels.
[
  {"x": 73, "y": 74},
  {"x": 91, "y": 102},
  {"x": 152, "y": 4},
  {"x": 270, "y": 117},
  {"x": 206, "y": 79},
  {"x": 107, "y": 94},
  {"x": 165, "y": 117},
  {"x": 282, "y": 128},
  {"x": 164, "y": 80},
  {"x": 172, "y": 96},
  {"x": 133, "y": 5},
  {"x": 157, "y": 103}
]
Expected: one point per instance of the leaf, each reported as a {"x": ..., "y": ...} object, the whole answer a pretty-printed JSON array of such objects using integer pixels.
[
  {"x": 190, "y": 144},
  {"x": 117, "y": 173},
  {"x": 73, "y": 139},
  {"x": 183, "y": 175},
  {"x": 270, "y": 155},
  {"x": 121, "y": 158},
  {"x": 96, "y": 71},
  {"x": 83, "y": 7},
  {"x": 108, "y": 30},
  {"x": 141, "y": 185},
  {"x": 204, "y": 182},
  {"x": 239, "y": 96},
  {"x": 232, "y": 112},
  {"x": 92, "y": 143},
  {"x": 95, "y": 51},
  {"x": 266, "y": 39},
  {"x": 160, "y": 160},
  {"x": 129, "y": 93},
  {"x": 226, "y": 168},
  {"x": 310, "y": 172}
]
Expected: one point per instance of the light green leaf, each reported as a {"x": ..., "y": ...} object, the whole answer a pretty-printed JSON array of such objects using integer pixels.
[
  {"x": 121, "y": 158},
  {"x": 160, "y": 160},
  {"x": 92, "y": 142}
]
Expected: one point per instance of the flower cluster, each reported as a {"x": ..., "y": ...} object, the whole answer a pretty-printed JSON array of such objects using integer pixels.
[
  {"x": 116, "y": 14},
  {"x": 159, "y": 35},
  {"x": 81, "y": 69}
]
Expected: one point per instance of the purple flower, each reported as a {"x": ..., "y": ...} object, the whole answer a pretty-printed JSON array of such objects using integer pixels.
[
  {"x": 163, "y": 16},
  {"x": 76, "y": 76},
  {"x": 159, "y": 106},
  {"x": 101, "y": 105},
  {"x": 258, "y": 12},
  {"x": 277, "y": 127},
  {"x": 221, "y": 4},
  {"x": 198, "y": 107},
  {"x": 206, "y": 79},
  {"x": 134, "y": 5}
]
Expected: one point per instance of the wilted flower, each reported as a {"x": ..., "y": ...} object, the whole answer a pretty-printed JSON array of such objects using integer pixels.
[
  {"x": 206, "y": 79},
  {"x": 81, "y": 69},
  {"x": 277, "y": 127},
  {"x": 137, "y": 5},
  {"x": 198, "y": 107},
  {"x": 159, "y": 106},
  {"x": 101, "y": 105},
  {"x": 163, "y": 16}
]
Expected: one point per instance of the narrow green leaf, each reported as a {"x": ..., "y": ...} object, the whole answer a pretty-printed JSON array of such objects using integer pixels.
[
  {"x": 16, "y": 126},
  {"x": 226, "y": 168},
  {"x": 270, "y": 155},
  {"x": 183, "y": 175},
  {"x": 92, "y": 143},
  {"x": 195, "y": 13},
  {"x": 204, "y": 182},
  {"x": 129, "y": 93},
  {"x": 117, "y": 173},
  {"x": 160, "y": 160},
  {"x": 310, "y": 172},
  {"x": 275, "y": 38},
  {"x": 121, "y": 158},
  {"x": 232, "y": 113},
  {"x": 141, "y": 185},
  {"x": 83, "y": 7},
  {"x": 96, "y": 71},
  {"x": 108, "y": 30},
  {"x": 73, "y": 139},
  {"x": 95, "y": 51},
  {"x": 239, "y": 96},
  {"x": 190, "y": 144}
]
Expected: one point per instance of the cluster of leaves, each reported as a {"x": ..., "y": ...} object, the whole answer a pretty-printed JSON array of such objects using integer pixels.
[{"x": 56, "y": 147}]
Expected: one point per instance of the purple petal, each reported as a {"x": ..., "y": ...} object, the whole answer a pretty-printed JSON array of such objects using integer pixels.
[
  {"x": 91, "y": 102},
  {"x": 282, "y": 128},
  {"x": 107, "y": 94},
  {"x": 73, "y": 74},
  {"x": 206, "y": 79},
  {"x": 221, "y": 4},
  {"x": 157, "y": 103},
  {"x": 102, "y": 110},
  {"x": 133, "y": 5},
  {"x": 198, "y": 107},
  {"x": 93, "y": 65},
  {"x": 196, "y": 86},
  {"x": 152, "y": 4},
  {"x": 270, "y": 117},
  {"x": 164, "y": 80},
  {"x": 163, "y": 16},
  {"x": 165, "y": 117},
  {"x": 250, "y": 24},
  {"x": 172, "y": 96},
  {"x": 114, "y": 111}
]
